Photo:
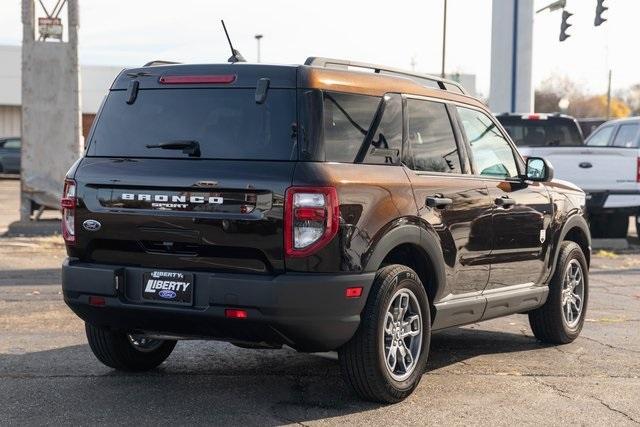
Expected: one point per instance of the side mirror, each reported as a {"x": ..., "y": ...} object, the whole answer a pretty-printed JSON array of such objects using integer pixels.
[{"x": 538, "y": 169}]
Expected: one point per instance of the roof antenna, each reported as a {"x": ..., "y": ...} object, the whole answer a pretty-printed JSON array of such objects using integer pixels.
[{"x": 235, "y": 55}]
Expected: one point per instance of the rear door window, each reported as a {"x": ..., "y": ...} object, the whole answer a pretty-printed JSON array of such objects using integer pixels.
[
  {"x": 431, "y": 143},
  {"x": 626, "y": 137},
  {"x": 601, "y": 137},
  {"x": 226, "y": 123}
]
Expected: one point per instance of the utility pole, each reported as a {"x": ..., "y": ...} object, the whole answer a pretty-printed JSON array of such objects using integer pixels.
[
  {"x": 444, "y": 37},
  {"x": 258, "y": 37}
]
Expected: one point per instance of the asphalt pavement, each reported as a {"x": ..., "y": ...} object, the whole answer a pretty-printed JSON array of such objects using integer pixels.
[{"x": 491, "y": 373}]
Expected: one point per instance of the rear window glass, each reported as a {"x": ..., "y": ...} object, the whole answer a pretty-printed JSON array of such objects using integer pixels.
[
  {"x": 347, "y": 121},
  {"x": 542, "y": 133},
  {"x": 226, "y": 123}
]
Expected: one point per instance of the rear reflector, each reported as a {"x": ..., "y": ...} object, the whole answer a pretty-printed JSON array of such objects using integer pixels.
[
  {"x": 232, "y": 313},
  {"x": 211, "y": 79},
  {"x": 355, "y": 292},
  {"x": 97, "y": 301}
]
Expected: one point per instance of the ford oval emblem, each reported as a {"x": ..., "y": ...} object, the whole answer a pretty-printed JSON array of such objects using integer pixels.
[
  {"x": 91, "y": 225},
  {"x": 166, "y": 294}
]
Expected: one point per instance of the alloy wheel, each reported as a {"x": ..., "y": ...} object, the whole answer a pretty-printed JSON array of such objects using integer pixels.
[
  {"x": 573, "y": 293},
  {"x": 402, "y": 334}
]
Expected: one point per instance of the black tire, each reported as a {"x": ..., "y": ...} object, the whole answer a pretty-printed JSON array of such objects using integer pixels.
[
  {"x": 115, "y": 349},
  {"x": 614, "y": 226},
  {"x": 362, "y": 359},
  {"x": 548, "y": 322}
]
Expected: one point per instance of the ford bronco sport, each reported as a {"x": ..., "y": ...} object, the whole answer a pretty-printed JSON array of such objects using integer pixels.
[{"x": 326, "y": 206}]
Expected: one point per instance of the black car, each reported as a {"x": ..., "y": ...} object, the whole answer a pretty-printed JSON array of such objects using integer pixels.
[
  {"x": 314, "y": 207},
  {"x": 542, "y": 130},
  {"x": 10, "y": 155}
]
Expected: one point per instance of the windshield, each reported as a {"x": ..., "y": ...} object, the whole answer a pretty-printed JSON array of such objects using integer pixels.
[
  {"x": 225, "y": 123},
  {"x": 542, "y": 133}
]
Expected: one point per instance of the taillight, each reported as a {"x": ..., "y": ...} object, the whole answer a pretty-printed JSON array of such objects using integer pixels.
[
  {"x": 638, "y": 171},
  {"x": 68, "y": 205},
  {"x": 311, "y": 219}
]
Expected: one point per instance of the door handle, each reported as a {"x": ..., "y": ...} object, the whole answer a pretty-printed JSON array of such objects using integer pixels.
[
  {"x": 438, "y": 201},
  {"x": 504, "y": 202}
]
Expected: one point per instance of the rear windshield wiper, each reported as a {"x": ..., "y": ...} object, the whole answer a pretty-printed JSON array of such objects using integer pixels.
[{"x": 192, "y": 148}]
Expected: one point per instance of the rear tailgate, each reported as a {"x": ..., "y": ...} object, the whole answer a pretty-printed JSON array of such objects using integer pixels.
[
  {"x": 592, "y": 168},
  {"x": 217, "y": 215}
]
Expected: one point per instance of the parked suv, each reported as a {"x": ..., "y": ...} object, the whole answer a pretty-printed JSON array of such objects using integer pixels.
[{"x": 321, "y": 207}]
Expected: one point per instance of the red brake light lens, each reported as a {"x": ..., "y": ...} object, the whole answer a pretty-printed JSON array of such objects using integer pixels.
[
  {"x": 310, "y": 214},
  {"x": 68, "y": 205},
  {"x": 210, "y": 79},
  {"x": 311, "y": 219},
  {"x": 232, "y": 313}
]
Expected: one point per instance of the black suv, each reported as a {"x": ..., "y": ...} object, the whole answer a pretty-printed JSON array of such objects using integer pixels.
[{"x": 318, "y": 206}]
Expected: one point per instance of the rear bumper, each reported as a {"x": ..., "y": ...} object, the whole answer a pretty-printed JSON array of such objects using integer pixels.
[
  {"x": 308, "y": 312},
  {"x": 613, "y": 201}
]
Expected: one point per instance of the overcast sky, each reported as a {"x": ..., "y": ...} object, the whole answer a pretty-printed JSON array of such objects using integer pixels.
[{"x": 126, "y": 32}]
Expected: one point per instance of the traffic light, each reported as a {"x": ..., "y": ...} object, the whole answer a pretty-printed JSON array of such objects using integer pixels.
[
  {"x": 600, "y": 8},
  {"x": 564, "y": 26}
]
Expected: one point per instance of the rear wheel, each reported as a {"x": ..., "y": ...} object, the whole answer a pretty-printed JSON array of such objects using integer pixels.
[
  {"x": 387, "y": 356},
  {"x": 127, "y": 352},
  {"x": 560, "y": 319}
]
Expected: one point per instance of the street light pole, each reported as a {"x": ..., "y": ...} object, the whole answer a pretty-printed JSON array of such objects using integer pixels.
[
  {"x": 444, "y": 37},
  {"x": 258, "y": 37}
]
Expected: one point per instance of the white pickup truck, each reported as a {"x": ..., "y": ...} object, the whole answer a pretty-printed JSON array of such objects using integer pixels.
[{"x": 606, "y": 166}]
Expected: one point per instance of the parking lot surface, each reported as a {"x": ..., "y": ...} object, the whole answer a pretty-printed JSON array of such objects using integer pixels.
[{"x": 488, "y": 373}]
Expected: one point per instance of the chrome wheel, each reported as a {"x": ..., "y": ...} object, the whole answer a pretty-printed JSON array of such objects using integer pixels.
[
  {"x": 144, "y": 344},
  {"x": 573, "y": 293},
  {"x": 402, "y": 334}
]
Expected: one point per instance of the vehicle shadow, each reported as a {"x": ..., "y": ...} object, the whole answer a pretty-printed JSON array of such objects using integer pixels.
[{"x": 207, "y": 382}]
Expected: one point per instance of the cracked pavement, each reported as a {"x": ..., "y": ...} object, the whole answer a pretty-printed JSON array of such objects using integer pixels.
[{"x": 487, "y": 373}]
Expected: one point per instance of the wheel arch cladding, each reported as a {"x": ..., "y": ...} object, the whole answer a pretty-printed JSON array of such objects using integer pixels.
[
  {"x": 577, "y": 234},
  {"x": 576, "y": 229},
  {"x": 417, "y": 248}
]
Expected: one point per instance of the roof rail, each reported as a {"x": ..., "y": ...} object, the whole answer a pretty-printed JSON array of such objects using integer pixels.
[
  {"x": 423, "y": 79},
  {"x": 159, "y": 62}
]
